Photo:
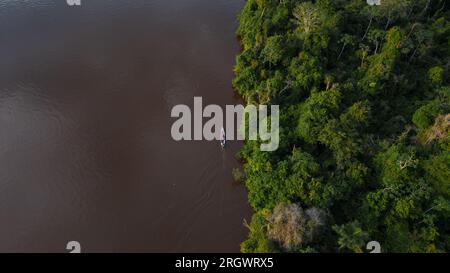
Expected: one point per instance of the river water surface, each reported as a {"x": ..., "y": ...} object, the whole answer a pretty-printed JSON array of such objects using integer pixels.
[{"x": 85, "y": 147}]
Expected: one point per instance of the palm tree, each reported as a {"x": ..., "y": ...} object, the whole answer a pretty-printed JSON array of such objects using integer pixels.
[{"x": 351, "y": 236}]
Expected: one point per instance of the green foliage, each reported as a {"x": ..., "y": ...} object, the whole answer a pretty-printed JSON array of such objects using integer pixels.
[
  {"x": 238, "y": 175},
  {"x": 257, "y": 241},
  {"x": 364, "y": 95},
  {"x": 435, "y": 74},
  {"x": 273, "y": 50},
  {"x": 438, "y": 172},
  {"x": 351, "y": 236},
  {"x": 315, "y": 112},
  {"x": 424, "y": 116}
]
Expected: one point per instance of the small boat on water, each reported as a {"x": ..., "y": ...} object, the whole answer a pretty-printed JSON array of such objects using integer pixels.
[{"x": 223, "y": 138}]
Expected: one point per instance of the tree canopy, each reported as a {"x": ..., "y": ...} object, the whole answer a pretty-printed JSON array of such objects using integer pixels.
[{"x": 364, "y": 95}]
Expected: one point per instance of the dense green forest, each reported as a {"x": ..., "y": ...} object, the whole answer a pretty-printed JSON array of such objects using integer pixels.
[{"x": 364, "y": 95}]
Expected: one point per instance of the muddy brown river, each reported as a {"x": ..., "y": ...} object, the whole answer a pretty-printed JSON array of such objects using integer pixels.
[{"x": 86, "y": 152}]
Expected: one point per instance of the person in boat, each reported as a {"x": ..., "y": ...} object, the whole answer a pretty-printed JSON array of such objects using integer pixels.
[{"x": 223, "y": 138}]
